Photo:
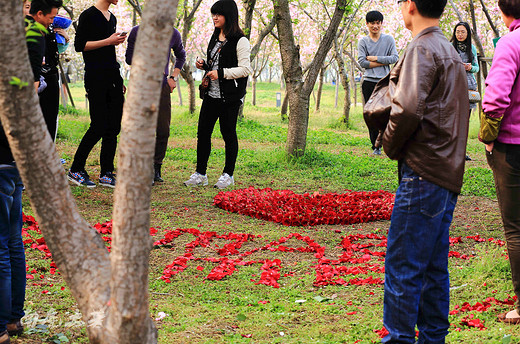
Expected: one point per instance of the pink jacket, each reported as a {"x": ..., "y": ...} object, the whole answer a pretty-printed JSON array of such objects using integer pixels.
[{"x": 502, "y": 96}]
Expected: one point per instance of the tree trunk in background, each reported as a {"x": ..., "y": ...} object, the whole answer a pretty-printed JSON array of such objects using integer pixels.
[
  {"x": 345, "y": 83},
  {"x": 285, "y": 106},
  {"x": 298, "y": 90},
  {"x": 320, "y": 87},
  {"x": 249, "y": 6},
  {"x": 190, "y": 82},
  {"x": 111, "y": 291},
  {"x": 475, "y": 35},
  {"x": 188, "y": 17},
  {"x": 253, "y": 86}
]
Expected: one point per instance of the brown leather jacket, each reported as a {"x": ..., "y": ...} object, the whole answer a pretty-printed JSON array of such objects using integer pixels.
[{"x": 422, "y": 109}]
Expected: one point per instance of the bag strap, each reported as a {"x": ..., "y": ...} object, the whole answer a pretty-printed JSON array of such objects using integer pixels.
[{"x": 212, "y": 59}]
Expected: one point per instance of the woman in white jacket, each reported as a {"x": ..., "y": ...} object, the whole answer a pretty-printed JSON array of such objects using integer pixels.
[{"x": 227, "y": 67}]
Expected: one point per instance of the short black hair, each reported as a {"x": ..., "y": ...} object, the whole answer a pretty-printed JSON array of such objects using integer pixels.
[
  {"x": 228, "y": 9},
  {"x": 510, "y": 8},
  {"x": 430, "y": 8},
  {"x": 45, "y": 6},
  {"x": 374, "y": 16}
]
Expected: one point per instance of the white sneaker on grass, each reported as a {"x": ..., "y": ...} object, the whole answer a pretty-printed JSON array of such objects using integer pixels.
[
  {"x": 224, "y": 181},
  {"x": 197, "y": 179}
]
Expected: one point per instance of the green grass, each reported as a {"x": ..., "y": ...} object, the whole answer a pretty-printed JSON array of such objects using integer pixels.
[{"x": 337, "y": 158}]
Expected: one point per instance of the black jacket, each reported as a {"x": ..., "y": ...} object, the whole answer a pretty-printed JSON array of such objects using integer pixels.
[{"x": 230, "y": 89}]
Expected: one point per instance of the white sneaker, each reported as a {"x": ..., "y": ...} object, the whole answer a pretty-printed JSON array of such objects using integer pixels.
[
  {"x": 197, "y": 179},
  {"x": 377, "y": 151},
  {"x": 224, "y": 181}
]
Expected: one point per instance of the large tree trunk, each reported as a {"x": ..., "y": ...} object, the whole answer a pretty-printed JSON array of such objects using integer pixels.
[
  {"x": 111, "y": 292},
  {"x": 298, "y": 90}
]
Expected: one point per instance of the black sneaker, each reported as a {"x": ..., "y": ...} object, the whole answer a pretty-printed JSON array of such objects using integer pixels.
[
  {"x": 80, "y": 178},
  {"x": 108, "y": 179}
]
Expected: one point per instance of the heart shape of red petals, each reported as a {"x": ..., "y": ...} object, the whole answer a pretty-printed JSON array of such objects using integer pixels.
[{"x": 291, "y": 209}]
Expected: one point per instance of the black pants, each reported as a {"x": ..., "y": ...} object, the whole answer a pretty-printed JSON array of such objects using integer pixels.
[
  {"x": 227, "y": 114},
  {"x": 105, "y": 96},
  {"x": 163, "y": 124},
  {"x": 367, "y": 88},
  {"x": 505, "y": 163},
  {"x": 50, "y": 102}
]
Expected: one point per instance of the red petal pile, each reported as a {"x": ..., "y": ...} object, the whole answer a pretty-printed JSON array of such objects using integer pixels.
[{"x": 291, "y": 209}]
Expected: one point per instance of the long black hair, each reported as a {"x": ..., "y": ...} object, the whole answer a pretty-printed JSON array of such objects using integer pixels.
[
  {"x": 466, "y": 42},
  {"x": 228, "y": 9}
]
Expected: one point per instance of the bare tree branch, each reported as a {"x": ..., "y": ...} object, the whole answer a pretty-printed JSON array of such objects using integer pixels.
[{"x": 486, "y": 12}]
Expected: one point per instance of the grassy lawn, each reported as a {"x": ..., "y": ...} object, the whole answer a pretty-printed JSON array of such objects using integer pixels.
[{"x": 235, "y": 309}]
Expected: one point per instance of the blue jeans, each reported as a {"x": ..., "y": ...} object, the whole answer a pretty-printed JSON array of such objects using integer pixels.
[
  {"x": 416, "y": 265},
  {"x": 12, "y": 256}
]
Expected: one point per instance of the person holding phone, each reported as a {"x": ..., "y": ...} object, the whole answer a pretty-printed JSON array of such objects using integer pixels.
[
  {"x": 461, "y": 41},
  {"x": 165, "y": 104},
  {"x": 96, "y": 38},
  {"x": 228, "y": 65}
]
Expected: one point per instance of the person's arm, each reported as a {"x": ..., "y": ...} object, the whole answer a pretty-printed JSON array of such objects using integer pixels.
[
  {"x": 81, "y": 42},
  {"x": 114, "y": 39},
  {"x": 36, "y": 53},
  {"x": 391, "y": 56},
  {"x": 474, "y": 64},
  {"x": 131, "y": 45},
  {"x": 178, "y": 51},
  {"x": 499, "y": 83},
  {"x": 414, "y": 84},
  {"x": 244, "y": 63},
  {"x": 362, "y": 55}
]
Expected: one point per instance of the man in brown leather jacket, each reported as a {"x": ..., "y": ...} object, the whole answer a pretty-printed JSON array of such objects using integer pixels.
[{"x": 422, "y": 112}]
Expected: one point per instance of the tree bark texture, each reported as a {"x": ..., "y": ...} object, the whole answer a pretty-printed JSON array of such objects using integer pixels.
[
  {"x": 320, "y": 87},
  {"x": 249, "y": 6},
  {"x": 345, "y": 83},
  {"x": 490, "y": 21},
  {"x": 131, "y": 218},
  {"x": 77, "y": 249},
  {"x": 299, "y": 91},
  {"x": 111, "y": 291}
]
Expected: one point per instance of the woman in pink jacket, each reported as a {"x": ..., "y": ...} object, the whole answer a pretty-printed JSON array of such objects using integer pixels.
[{"x": 500, "y": 132}]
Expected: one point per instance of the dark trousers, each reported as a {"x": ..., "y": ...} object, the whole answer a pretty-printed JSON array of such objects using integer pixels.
[
  {"x": 505, "y": 163},
  {"x": 105, "y": 96},
  {"x": 227, "y": 114},
  {"x": 163, "y": 124},
  {"x": 367, "y": 87},
  {"x": 49, "y": 103}
]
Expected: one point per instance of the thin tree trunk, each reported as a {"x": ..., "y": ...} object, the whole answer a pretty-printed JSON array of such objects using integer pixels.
[
  {"x": 253, "y": 84},
  {"x": 190, "y": 82},
  {"x": 285, "y": 106},
  {"x": 320, "y": 87},
  {"x": 475, "y": 35},
  {"x": 187, "y": 17},
  {"x": 490, "y": 21}
]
